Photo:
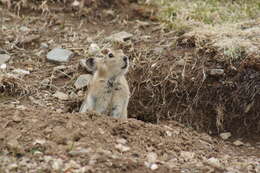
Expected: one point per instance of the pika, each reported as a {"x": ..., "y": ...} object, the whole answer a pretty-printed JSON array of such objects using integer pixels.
[{"x": 108, "y": 91}]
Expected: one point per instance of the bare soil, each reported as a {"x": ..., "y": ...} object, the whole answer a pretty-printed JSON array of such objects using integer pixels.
[{"x": 40, "y": 133}]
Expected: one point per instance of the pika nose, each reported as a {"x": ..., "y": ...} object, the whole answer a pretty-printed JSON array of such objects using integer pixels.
[{"x": 125, "y": 58}]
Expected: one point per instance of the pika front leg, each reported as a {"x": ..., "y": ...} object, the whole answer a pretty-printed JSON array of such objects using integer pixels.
[
  {"x": 116, "y": 111},
  {"x": 88, "y": 104}
]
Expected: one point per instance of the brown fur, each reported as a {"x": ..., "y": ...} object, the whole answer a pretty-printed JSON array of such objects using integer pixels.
[{"x": 108, "y": 91}]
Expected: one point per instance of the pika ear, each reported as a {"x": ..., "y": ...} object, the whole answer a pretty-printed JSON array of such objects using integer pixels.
[{"x": 91, "y": 65}]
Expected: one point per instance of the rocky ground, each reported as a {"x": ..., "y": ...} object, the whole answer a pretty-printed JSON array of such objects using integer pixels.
[{"x": 41, "y": 92}]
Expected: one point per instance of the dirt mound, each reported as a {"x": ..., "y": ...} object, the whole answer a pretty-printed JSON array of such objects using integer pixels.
[
  {"x": 44, "y": 141},
  {"x": 200, "y": 83}
]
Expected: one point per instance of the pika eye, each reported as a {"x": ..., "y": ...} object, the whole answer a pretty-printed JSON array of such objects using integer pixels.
[{"x": 110, "y": 55}]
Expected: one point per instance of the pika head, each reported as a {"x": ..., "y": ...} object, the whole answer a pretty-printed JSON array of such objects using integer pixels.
[{"x": 114, "y": 64}]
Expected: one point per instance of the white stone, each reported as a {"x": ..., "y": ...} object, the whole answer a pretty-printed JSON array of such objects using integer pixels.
[
  {"x": 225, "y": 136},
  {"x": 151, "y": 157},
  {"x": 82, "y": 81},
  {"x": 214, "y": 162},
  {"x": 216, "y": 72},
  {"x": 187, "y": 155},
  {"x": 121, "y": 36},
  {"x": 61, "y": 95},
  {"x": 122, "y": 148},
  {"x": 4, "y": 58},
  {"x": 24, "y": 28},
  {"x": 57, "y": 164},
  {"x": 238, "y": 143},
  {"x": 21, "y": 71},
  {"x": 3, "y": 66},
  {"x": 121, "y": 141},
  {"x": 39, "y": 141},
  {"x": 80, "y": 151},
  {"x": 93, "y": 49},
  {"x": 44, "y": 46},
  {"x": 59, "y": 55}
]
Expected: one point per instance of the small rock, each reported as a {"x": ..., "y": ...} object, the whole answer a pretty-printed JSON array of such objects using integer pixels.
[
  {"x": 17, "y": 118},
  {"x": 47, "y": 158},
  {"x": 158, "y": 50},
  {"x": 121, "y": 141},
  {"x": 93, "y": 49},
  {"x": 57, "y": 164},
  {"x": 3, "y": 66},
  {"x": 59, "y": 55},
  {"x": 24, "y": 28},
  {"x": 4, "y": 58},
  {"x": 21, "y": 72},
  {"x": 80, "y": 151},
  {"x": 168, "y": 133},
  {"x": 151, "y": 157},
  {"x": 238, "y": 143},
  {"x": 45, "y": 82},
  {"x": 75, "y": 3},
  {"x": 122, "y": 148},
  {"x": 37, "y": 153},
  {"x": 39, "y": 141},
  {"x": 187, "y": 155},
  {"x": 121, "y": 36},
  {"x": 44, "y": 46},
  {"x": 181, "y": 62},
  {"x": 216, "y": 72},
  {"x": 225, "y": 136},
  {"x": 14, "y": 145},
  {"x": 59, "y": 110},
  {"x": 72, "y": 164},
  {"x": 21, "y": 107},
  {"x": 61, "y": 95},
  {"x": 12, "y": 167},
  {"x": 152, "y": 166},
  {"x": 214, "y": 162},
  {"x": 82, "y": 81}
]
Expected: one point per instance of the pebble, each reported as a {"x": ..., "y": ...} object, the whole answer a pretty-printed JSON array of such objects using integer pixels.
[
  {"x": 44, "y": 46},
  {"x": 121, "y": 141},
  {"x": 80, "y": 151},
  {"x": 59, "y": 55},
  {"x": 216, "y": 72},
  {"x": 24, "y": 28},
  {"x": 225, "y": 135},
  {"x": 17, "y": 118},
  {"x": 82, "y": 81},
  {"x": 238, "y": 143},
  {"x": 57, "y": 164},
  {"x": 14, "y": 145},
  {"x": 3, "y": 66},
  {"x": 39, "y": 141},
  {"x": 93, "y": 49},
  {"x": 187, "y": 155},
  {"x": 122, "y": 148},
  {"x": 120, "y": 37},
  {"x": 4, "y": 58},
  {"x": 152, "y": 166},
  {"x": 21, "y": 72},
  {"x": 214, "y": 162},
  {"x": 151, "y": 157},
  {"x": 61, "y": 95}
]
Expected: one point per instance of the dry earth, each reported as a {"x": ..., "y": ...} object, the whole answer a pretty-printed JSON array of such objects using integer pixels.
[{"x": 41, "y": 133}]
